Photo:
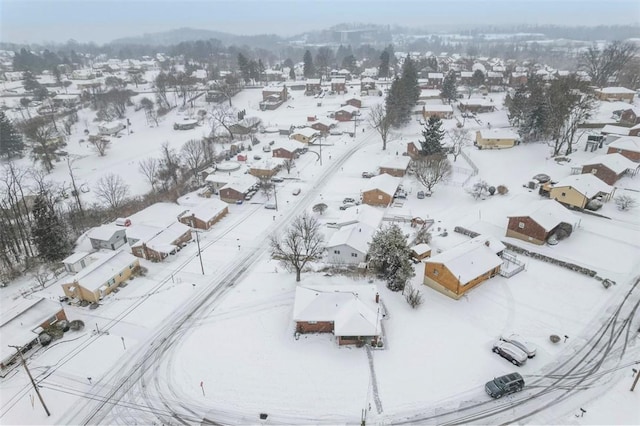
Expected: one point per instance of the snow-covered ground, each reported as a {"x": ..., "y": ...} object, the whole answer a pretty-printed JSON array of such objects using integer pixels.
[{"x": 238, "y": 357}]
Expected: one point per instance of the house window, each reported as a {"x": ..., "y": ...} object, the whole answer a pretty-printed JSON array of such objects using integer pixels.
[
  {"x": 564, "y": 194},
  {"x": 521, "y": 225},
  {"x": 354, "y": 254},
  {"x": 132, "y": 266},
  {"x": 435, "y": 272},
  {"x": 594, "y": 171},
  {"x": 112, "y": 281},
  {"x": 336, "y": 252},
  {"x": 379, "y": 197}
]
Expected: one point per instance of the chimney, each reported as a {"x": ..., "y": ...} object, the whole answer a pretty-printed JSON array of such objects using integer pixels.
[{"x": 377, "y": 297}]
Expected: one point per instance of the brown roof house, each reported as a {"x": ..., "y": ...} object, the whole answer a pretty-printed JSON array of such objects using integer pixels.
[
  {"x": 323, "y": 125},
  {"x": 379, "y": 190},
  {"x": 577, "y": 190},
  {"x": 339, "y": 85},
  {"x": 354, "y": 102},
  {"x": 395, "y": 166},
  {"x": 495, "y": 138},
  {"x": 205, "y": 215},
  {"x": 21, "y": 322},
  {"x": 456, "y": 271},
  {"x": 352, "y": 313},
  {"x": 164, "y": 242},
  {"x": 305, "y": 135},
  {"x": 101, "y": 277},
  {"x": 266, "y": 168},
  {"x": 346, "y": 113},
  {"x": 287, "y": 149},
  {"x": 539, "y": 221},
  {"x": 610, "y": 167},
  {"x": 627, "y": 146},
  {"x": 615, "y": 94},
  {"x": 236, "y": 189}
]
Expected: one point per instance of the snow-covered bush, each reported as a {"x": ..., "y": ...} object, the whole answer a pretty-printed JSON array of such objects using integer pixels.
[
  {"x": 502, "y": 189},
  {"x": 480, "y": 189},
  {"x": 625, "y": 202},
  {"x": 413, "y": 296},
  {"x": 390, "y": 257}
]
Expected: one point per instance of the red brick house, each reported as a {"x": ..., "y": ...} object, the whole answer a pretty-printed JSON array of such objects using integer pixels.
[
  {"x": 166, "y": 242},
  {"x": 313, "y": 86},
  {"x": 354, "y": 102},
  {"x": 287, "y": 149},
  {"x": 339, "y": 85},
  {"x": 379, "y": 190},
  {"x": 346, "y": 113},
  {"x": 205, "y": 215},
  {"x": 395, "y": 166},
  {"x": 413, "y": 150},
  {"x": 628, "y": 146},
  {"x": 630, "y": 117},
  {"x": 323, "y": 125},
  {"x": 237, "y": 189},
  {"x": 609, "y": 168},
  {"x": 540, "y": 220}
]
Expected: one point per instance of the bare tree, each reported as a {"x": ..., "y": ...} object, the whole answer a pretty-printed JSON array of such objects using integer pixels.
[
  {"x": 169, "y": 167},
  {"x": 44, "y": 144},
  {"x": 288, "y": 164},
  {"x": 112, "y": 190},
  {"x": 100, "y": 145},
  {"x": 603, "y": 64},
  {"x": 266, "y": 186},
  {"x": 225, "y": 116},
  {"x": 149, "y": 168},
  {"x": 480, "y": 189},
  {"x": 413, "y": 296},
  {"x": 379, "y": 120},
  {"x": 431, "y": 170},
  {"x": 320, "y": 208},
  {"x": 459, "y": 139},
  {"x": 193, "y": 154},
  {"x": 302, "y": 243}
]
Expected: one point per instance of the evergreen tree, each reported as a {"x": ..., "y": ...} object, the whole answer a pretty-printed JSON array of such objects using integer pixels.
[
  {"x": 433, "y": 134},
  {"x": 410, "y": 82},
  {"x": 11, "y": 143},
  {"x": 48, "y": 232},
  {"x": 349, "y": 63},
  {"x": 477, "y": 79},
  {"x": 292, "y": 73},
  {"x": 30, "y": 83},
  {"x": 308, "y": 69},
  {"x": 383, "y": 69},
  {"x": 243, "y": 65},
  {"x": 389, "y": 255},
  {"x": 449, "y": 87},
  {"x": 393, "y": 103}
]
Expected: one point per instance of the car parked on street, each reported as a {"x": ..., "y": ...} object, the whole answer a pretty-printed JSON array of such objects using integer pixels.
[
  {"x": 270, "y": 206},
  {"x": 347, "y": 205},
  {"x": 367, "y": 175},
  {"x": 521, "y": 343},
  {"x": 510, "y": 352},
  {"x": 504, "y": 385},
  {"x": 348, "y": 200},
  {"x": 420, "y": 195},
  {"x": 277, "y": 179}
]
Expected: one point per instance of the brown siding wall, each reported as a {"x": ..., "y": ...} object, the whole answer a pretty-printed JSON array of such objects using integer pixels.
[
  {"x": 631, "y": 155},
  {"x": 532, "y": 232},
  {"x": 230, "y": 195},
  {"x": 392, "y": 172},
  {"x": 603, "y": 173},
  {"x": 343, "y": 116},
  {"x": 376, "y": 197},
  {"x": 450, "y": 282},
  {"x": 318, "y": 327},
  {"x": 282, "y": 153},
  {"x": 354, "y": 102}
]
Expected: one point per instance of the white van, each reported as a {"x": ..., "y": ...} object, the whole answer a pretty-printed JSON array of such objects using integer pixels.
[{"x": 123, "y": 221}]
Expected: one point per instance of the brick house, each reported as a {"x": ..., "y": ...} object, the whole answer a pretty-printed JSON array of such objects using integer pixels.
[
  {"x": 395, "y": 166},
  {"x": 456, "y": 271},
  {"x": 435, "y": 80},
  {"x": 164, "y": 243},
  {"x": 287, "y": 149},
  {"x": 413, "y": 149},
  {"x": 627, "y": 146},
  {"x": 323, "y": 125},
  {"x": 540, "y": 221},
  {"x": 204, "y": 215},
  {"x": 440, "y": 111},
  {"x": 313, "y": 86},
  {"x": 236, "y": 189},
  {"x": 346, "y": 113},
  {"x": 379, "y": 190},
  {"x": 609, "y": 168},
  {"x": 630, "y": 117},
  {"x": 476, "y": 105},
  {"x": 339, "y": 85},
  {"x": 354, "y": 102},
  {"x": 266, "y": 168}
]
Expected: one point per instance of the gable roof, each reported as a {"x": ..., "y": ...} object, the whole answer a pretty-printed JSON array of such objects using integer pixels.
[
  {"x": 100, "y": 271},
  {"x": 363, "y": 213},
  {"x": 397, "y": 162},
  {"x": 104, "y": 232},
  {"x": 351, "y": 308},
  {"x": 207, "y": 210},
  {"x": 587, "y": 184},
  {"x": 163, "y": 241},
  {"x": 470, "y": 259},
  {"x": 615, "y": 90},
  {"x": 615, "y": 162},
  {"x": 549, "y": 214},
  {"x": 498, "y": 134},
  {"x": 290, "y": 145},
  {"x": 629, "y": 143},
  {"x": 240, "y": 184},
  {"x": 384, "y": 182},
  {"x": 307, "y": 132},
  {"x": 616, "y": 130},
  {"x": 357, "y": 236}
]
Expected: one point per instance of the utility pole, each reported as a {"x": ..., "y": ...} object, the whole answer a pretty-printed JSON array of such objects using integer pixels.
[
  {"x": 635, "y": 382},
  {"x": 275, "y": 193},
  {"x": 35, "y": 386},
  {"x": 193, "y": 216}
]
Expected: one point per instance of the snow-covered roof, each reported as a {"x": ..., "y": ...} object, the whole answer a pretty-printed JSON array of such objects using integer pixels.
[
  {"x": 629, "y": 143},
  {"x": 429, "y": 93},
  {"x": 398, "y": 162},
  {"x": 466, "y": 74},
  {"x": 163, "y": 241},
  {"x": 312, "y": 81},
  {"x": 114, "y": 125},
  {"x": 364, "y": 213},
  {"x": 549, "y": 214},
  {"x": 75, "y": 257},
  {"x": 307, "y": 132},
  {"x": 421, "y": 248},
  {"x": 586, "y": 184},
  {"x": 349, "y": 108},
  {"x": 357, "y": 236},
  {"x": 98, "y": 273},
  {"x": 438, "y": 108},
  {"x": 290, "y": 145},
  {"x": 437, "y": 75},
  {"x": 615, "y": 162},
  {"x": 207, "y": 210},
  {"x": 240, "y": 184},
  {"x": 384, "y": 182},
  {"x": 475, "y": 102},
  {"x": 269, "y": 163},
  {"x": 325, "y": 121},
  {"x": 498, "y": 134},
  {"x": 351, "y": 308},
  {"x": 615, "y": 130},
  {"x": 20, "y": 320},
  {"x": 471, "y": 259},
  {"x": 104, "y": 232},
  {"x": 138, "y": 231},
  {"x": 616, "y": 90},
  {"x": 339, "y": 80}
]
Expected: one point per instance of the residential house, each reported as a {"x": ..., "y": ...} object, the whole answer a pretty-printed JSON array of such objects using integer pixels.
[
  {"x": 630, "y": 117},
  {"x": 435, "y": 80},
  {"x": 21, "y": 322},
  {"x": 429, "y": 94},
  {"x": 518, "y": 79},
  {"x": 313, "y": 86},
  {"x": 495, "y": 138},
  {"x": 165, "y": 242},
  {"x": 216, "y": 181},
  {"x": 440, "y": 111},
  {"x": 627, "y": 146},
  {"x": 287, "y": 149},
  {"x": 367, "y": 84},
  {"x": 350, "y": 244},
  {"x": 346, "y": 113},
  {"x": 266, "y": 168},
  {"x": 351, "y": 312},
  {"x": 413, "y": 149},
  {"x": 273, "y": 96},
  {"x": 111, "y": 129},
  {"x": 539, "y": 221},
  {"x": 204, "y": 215},
  {"x": 237, "y": 189},
  {"x": 101, "y": 277},
  {"x": 466, "y": 77},
  {"x": 108, "y": 237},
  {"x": 246, "y": 126},
  {"x": 305, "y": 135},
  {"x": 339, "y": 85},
  {"x": 323, "y": 125},
  {"x": 395, "y": 166},
  {"x": 615, "y": 94},
  {"x": 493, "y": 78},
  {"x": 186, "y": 124},
  {"x": 365, "y": 214},
  {"x": 577, "y": 190},
  {"x": 77, "y": 261},
  {"x": 476, "y": 105},
  {"x": 459, "y": 269},
  {"x": 354, "y": 102},
  {"x": 635, "y": 130},
  {"x": 610, "y": 167},
  {"x": 613, "y": 133},
  {"x": 379, "y": 190}
]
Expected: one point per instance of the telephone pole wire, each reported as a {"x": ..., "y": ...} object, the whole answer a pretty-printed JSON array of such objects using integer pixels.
[{"x": 35, "y": 386}]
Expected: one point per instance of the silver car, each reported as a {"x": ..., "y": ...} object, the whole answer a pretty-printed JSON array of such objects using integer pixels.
[{"x": 522, "y": 344}]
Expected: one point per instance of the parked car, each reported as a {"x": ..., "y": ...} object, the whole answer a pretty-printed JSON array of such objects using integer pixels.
[
  {"x": 519, "y": 341},
  {"x": 420, "y": 195},
  {"x": 542, "y": 178},
  {"x": 266, "y": 148},
  {"x": 272, "y": 142},
  {"x": 400, "y": 194},
  {"x": 367, "y": 175},
  {"x": 296, "y": 191},
  {"x": 277, "y": 179},
  {"x": 347, "y": 205},
  {"x": 348, "y": 200},
  {"x": 504, "y": 385},
  {"x": 510, "y": 352},
  {"x": 257, "y": 157},
  {"x": 270, "y": 206}
]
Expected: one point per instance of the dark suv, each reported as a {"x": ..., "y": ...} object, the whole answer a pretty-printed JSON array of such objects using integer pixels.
[{"x": 504, "y": 385}]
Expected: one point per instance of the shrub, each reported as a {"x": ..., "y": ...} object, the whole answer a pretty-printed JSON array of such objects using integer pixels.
[
  {"x": 413, "y": 297},
  {"x": 625, "y": 202},
  {"x": 502, "y": 189}
]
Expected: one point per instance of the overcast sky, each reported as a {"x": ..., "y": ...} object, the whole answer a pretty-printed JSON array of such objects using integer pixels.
[{"x": 104, "y": 20}]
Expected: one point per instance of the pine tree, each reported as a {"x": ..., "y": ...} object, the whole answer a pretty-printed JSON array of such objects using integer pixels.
[
  {"x": 11, "y": 143},
  {"x": 243, "y": 65},
  {"x": 389, "y": 255},
  {"x": 410, "y": 82},
  {"x": 48, "y": 232},
  {"x": 393, "y": 103},
  {"x": 477, "y": 79},
  {"x": 449, "y": 87},
  {"x": 308, "y": 69},
  {"x": 383, "y": 69},
  {"x": 292, "y": 73},
  {"x": 433, "y": 134}
]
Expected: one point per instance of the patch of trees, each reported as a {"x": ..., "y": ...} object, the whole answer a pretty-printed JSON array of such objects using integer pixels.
[
  {"x": 11, "y": 144},
  {"x": 608, "y": 63}
]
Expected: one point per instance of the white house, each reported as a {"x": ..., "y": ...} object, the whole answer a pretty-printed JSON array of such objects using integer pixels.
[
  {"x": 110, "y": 129},
  {"x": 350, "y": 244}
]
